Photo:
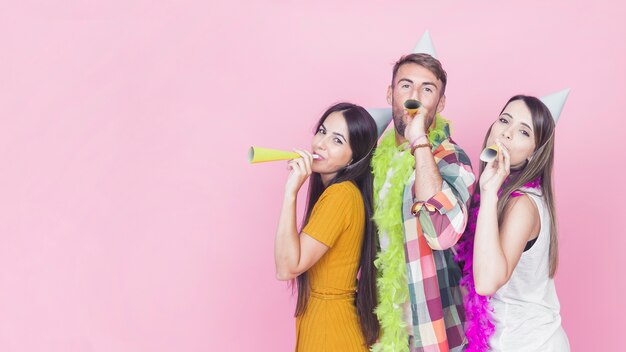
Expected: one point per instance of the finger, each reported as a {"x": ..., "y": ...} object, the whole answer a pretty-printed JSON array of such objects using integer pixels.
[
  {"x": 298, "y": 168},
  {"x": 500, "y": 157},
  {"x": 407, "y": 117},
  {"x": 307, "y": 164},
  {"x": 492, "y": 164},
  {"x": 409, "y": 125},
  {"x": 306, "y": 157},
  {"x": 501, "y": 145},
  {"x": 309, "y": 155},
  {"x": 304, "y": 163},
  {"x": 507, "y": 160},
  {"x": 421, "y": 112},
  {"x": 308, "y": 161},
  {"x": 301, "y": 152}
]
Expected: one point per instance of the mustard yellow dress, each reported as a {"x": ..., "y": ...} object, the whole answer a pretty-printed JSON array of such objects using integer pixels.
[{"x": 330, "y": 321}]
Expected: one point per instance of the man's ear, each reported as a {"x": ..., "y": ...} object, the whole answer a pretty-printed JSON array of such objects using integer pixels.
[
  {"x": 442, "y": 104},
  {"x": 389, "y": 95}
]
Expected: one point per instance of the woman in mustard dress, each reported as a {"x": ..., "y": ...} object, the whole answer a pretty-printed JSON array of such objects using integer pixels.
[{"x": 335, "y": 309}]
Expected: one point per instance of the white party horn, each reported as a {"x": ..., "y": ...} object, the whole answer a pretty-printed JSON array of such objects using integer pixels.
[{"x": 489, "y": 153}]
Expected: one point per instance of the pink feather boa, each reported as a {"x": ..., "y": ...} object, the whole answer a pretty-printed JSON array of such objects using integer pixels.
[{"x": 479, "y": 321}]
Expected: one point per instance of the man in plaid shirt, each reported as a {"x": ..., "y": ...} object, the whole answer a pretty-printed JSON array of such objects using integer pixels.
[{"x": 434, "y": 208}]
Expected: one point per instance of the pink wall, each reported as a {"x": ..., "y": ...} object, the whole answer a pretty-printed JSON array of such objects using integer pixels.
[{"x": 129, "y": 218}]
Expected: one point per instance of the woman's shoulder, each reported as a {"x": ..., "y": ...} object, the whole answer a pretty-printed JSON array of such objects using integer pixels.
[
  {"x": 528, "y": 190},
  {"x": 345, "y": 189},
  {"x": 525, "y": 205},
  {"x": 533, "y": 188},
  {"x": 529, "y": 196},
  {"x": 344, "y": 186}
]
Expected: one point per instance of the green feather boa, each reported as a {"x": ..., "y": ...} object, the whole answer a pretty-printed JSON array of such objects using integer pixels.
[{"x": 392, "y": 284}]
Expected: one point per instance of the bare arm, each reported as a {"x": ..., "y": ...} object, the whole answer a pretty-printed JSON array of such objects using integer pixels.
[
  {"x": 427, "y": 177},
  {"x": 295, "y": 253},
  {"x": 443, "y": 185},
  {"x": 498, "y": 248}
]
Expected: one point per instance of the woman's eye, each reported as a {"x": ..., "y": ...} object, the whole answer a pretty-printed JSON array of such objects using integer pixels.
[
  {"x": 405, "y": 86},
  {"x": 525, "y": 133},
  {"x": 338, "y": 141},
  {"x": 503, "y": 120},
  {"x": 321, "y": 131}
]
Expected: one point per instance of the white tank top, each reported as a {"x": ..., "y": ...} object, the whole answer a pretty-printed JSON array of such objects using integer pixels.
[{"x": 526, "y": 308}]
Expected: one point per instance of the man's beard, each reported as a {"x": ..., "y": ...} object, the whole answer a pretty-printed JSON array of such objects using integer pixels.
[{"x": 398, "y": 124}]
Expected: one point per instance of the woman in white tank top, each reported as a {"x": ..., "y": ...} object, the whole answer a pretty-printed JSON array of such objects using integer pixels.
[{"x": 510, "y": 246}]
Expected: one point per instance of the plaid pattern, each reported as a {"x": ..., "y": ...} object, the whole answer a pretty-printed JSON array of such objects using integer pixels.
[{"x": 433, "y": 277}]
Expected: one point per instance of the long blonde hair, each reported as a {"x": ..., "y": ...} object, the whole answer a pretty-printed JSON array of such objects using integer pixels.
[{"x": 539, "y": 165}]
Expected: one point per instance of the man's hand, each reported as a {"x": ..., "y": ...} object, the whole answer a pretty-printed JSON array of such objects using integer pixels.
[{"x": 415, "y": 125}]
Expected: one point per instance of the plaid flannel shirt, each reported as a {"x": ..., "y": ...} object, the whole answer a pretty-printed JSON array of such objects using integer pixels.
[{"x": 436, "y": 302}]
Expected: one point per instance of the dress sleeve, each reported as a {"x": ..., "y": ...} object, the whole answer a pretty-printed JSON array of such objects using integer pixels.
[{"x": 331, "y": 214}]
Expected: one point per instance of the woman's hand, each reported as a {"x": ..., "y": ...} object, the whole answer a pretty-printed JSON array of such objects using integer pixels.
[
  {"x": 495, "y": 172},
  {"x": 300, "y": 171}
]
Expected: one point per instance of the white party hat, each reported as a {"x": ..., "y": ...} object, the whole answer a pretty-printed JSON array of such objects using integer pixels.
[
  {"x": 383, "y": 116},
  {"x": 425, "y": 46},
  {"x": 555, "y": 102}
]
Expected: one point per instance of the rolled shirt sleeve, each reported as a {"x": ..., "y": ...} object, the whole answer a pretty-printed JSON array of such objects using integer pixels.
[{"x": 443, "y": 217}]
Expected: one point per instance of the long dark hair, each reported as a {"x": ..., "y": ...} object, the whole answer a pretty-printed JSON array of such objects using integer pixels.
[
  {"x": 540, "y": 165},
  {"x": 363, "y": 135}
]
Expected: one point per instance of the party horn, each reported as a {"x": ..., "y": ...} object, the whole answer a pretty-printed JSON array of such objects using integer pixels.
[
  {"x": 411, "y": 106},
  {"x": 489, "y": 153},
  {"x": 261, "y": 155}
]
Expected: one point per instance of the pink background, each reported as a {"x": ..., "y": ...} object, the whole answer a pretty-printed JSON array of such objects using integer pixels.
[{"x": 130, "y": 219}]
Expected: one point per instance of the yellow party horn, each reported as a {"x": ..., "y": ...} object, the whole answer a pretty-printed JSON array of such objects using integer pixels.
[
  {"x": 489, "y": 153},
  {"x": 412, "y": 106},
  {"x": 261, "y": 155}
]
